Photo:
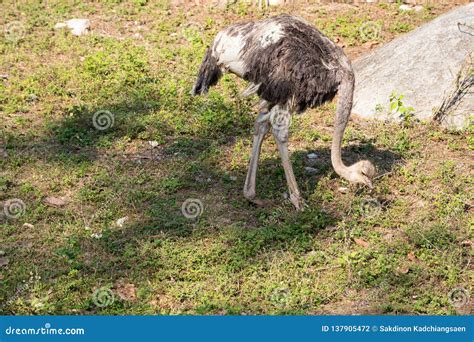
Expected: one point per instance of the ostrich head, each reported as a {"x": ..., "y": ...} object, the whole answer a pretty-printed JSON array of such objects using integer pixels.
[{"x": 361, "y": 172}]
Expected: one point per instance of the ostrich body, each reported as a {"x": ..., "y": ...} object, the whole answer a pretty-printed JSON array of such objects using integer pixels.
[{"x": 291, "y": 66}]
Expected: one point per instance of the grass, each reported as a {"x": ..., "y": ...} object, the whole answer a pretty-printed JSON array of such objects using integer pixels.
[{"x": 400, "y": 249}]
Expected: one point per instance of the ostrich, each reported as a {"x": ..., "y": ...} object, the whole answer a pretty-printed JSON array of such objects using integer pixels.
[{"x": 291, "y": 66}]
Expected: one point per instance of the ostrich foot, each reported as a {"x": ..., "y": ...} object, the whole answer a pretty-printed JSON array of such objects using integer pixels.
[
  {"x": 250, "y": 196},
  {"x": 260, "y": 203},
  {"x": 297, "y": 201}
]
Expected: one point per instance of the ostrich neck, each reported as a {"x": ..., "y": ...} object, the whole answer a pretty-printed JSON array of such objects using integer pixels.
[
  {"x": 343, "y": 111},
  {"x": 336, "y": 159}
]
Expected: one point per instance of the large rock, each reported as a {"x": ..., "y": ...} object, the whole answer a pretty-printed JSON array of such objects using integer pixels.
[{"x": 423, "y": 66}]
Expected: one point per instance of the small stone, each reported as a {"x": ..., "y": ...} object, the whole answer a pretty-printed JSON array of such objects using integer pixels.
[
  {"x": 31, "y": 98},
  {"x": 96, "y": 235},
  {"x": 343, "y": 190},
  {"x": 3, "y": 76},
  {"x": 121, "y": 221},
  {"x": 153, "y": 143},
  {"x": 310, "y": 170},
  {"x": 275, "y": 2},
  {"x": 4, "y": 261},
  {"x": 405, "y": 8},
  {"x": 28, "y": 225},
  {"x": 55, "y": 201},
  {"x": 418, "y": 8},
  {"x": 312, "y": 155},
  {"x": 78, "y": 27}
]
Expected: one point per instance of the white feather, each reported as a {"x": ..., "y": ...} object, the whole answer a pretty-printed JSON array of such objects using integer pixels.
[
  {"x": 228, "y": 48},
  {"x": 270, "y": 33},
  {"x": 227, "y": 51}
]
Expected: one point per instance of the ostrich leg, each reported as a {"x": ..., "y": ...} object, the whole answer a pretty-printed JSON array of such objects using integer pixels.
[
  {"x": 280, "y": 126},
  {"x": 262, "y": 126}
]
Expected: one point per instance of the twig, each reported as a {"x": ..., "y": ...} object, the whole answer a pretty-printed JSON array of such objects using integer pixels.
[{"x": 463, "y": 84}]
